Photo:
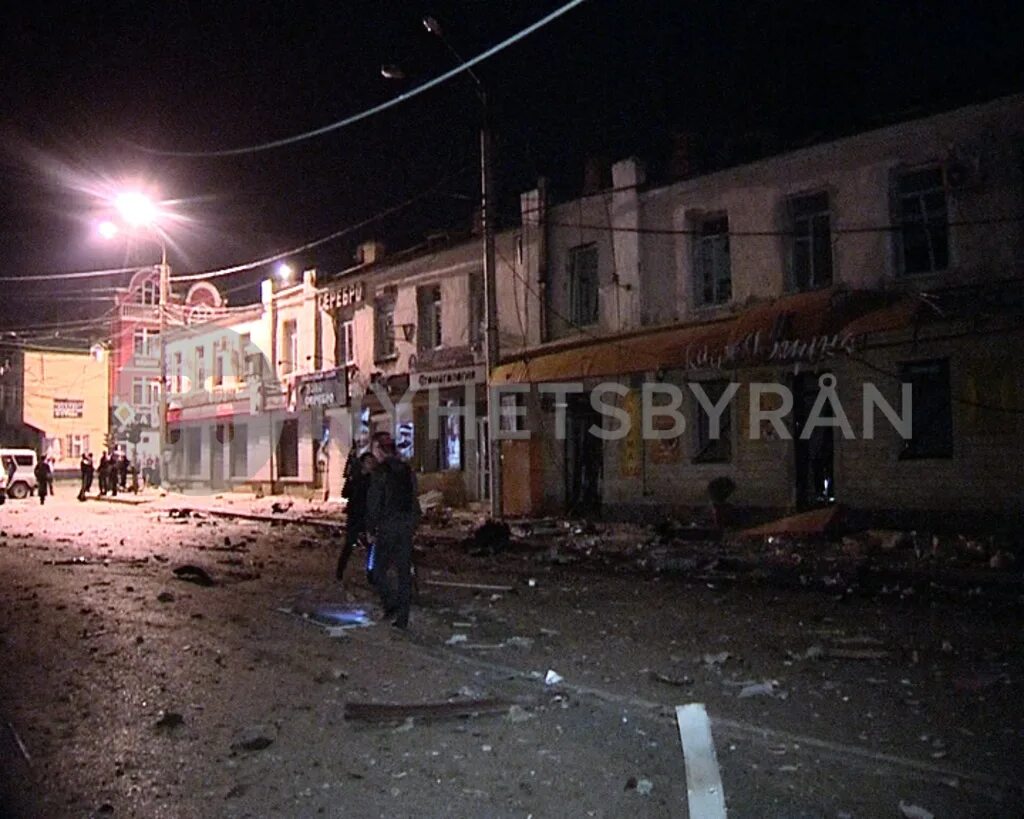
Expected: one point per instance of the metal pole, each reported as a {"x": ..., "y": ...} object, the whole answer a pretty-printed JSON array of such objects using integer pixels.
[
  {"x": 165, "y": 292},
  {"x": 491, "y": 303}
]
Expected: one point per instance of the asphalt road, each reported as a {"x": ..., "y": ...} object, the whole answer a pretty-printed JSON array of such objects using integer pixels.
[{"x": 129, "y": 692}]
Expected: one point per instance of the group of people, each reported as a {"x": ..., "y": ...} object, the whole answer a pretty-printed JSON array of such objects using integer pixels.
[
  {"x": 382, "y": 514},
  {"x": 115, "y": 472}
]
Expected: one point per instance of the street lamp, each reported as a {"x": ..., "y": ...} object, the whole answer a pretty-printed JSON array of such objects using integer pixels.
[
  {"x": 487, "y": 220},
  {"x": 138, "y": 210}
]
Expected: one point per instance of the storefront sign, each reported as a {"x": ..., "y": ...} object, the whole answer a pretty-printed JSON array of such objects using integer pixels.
[
  {"x": 448, "y": 378},
  {"x": 755, "y": 348},
  {"x": 323, "y": 390},
  {"x": 341, "y": 296},
  {"x": 68, "y": 407}
]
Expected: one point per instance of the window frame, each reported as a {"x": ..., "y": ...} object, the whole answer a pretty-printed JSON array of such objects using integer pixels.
[
  {"x": 584, "y": 301},
  {"x": 904, "y": 225},
  {"x": 708, "y": 244},
  {"x": 385, "y": 345},
  {"x": 803, "y": 213},
  {"x": 429, "y": 309}
]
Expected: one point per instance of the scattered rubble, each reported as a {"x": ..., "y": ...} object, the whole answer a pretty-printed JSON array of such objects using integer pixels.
[{"x": 191, "y": 573}]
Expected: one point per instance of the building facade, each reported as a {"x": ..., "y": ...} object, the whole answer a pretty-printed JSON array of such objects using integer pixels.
[
  {"x": 888, "y": 258},
  {"x": 55, "y": 402}
]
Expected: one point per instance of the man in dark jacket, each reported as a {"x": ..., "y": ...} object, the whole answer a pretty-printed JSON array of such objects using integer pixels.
[
  {"x": 104, "y": 473},
  {"x": 86, "y": 469},
  {"x": 392, "y": 513},
  {"x": 44, "y": 475},
  {"x": 357, "y": 485}
]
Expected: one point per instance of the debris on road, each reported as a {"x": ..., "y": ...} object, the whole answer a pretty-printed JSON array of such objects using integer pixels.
[
  {"x": 165, "y": 597},
  {"x": 455, "y": 639},
  {"x": 761, "y": 689},
  {"x": 712, "y": 660},
  {"x": 169, "y": 720},
  {"x": 19, "y": 743},
  {"x": 856, "y": 654},
  {"x": 677, "y": 681},
  {"x": 704, "y": 794},
  {"x": 396, "y": 712},
  {"x": 911, "y": 811},
  {"x": 256, "y": 738},
  {"x": 553, "y": 678},
  {"x": 191, "y": 573},
  {"x": 474, "y": 586}
]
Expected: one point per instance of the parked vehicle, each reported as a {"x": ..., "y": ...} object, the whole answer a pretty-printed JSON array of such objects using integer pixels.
[{"x": 23, "y": 482}]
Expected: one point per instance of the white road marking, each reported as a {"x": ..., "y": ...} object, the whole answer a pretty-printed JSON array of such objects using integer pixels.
[{"x": 703, "y": 780}]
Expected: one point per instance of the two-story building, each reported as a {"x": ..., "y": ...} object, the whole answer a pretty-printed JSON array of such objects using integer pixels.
[
  {"x": 54, "y": 400},
  {"x": 887, "y": 258},
  {"x": 407, "y": 330}
]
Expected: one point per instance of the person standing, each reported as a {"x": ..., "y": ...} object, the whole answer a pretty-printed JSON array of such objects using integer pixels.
[
  {"x": 104, "y": 473},
  {"x": 10, "y": 467},
  {"x": 44, "y": 477},
  {"x": 122, "y": 471},
  {"x": 51, "y": 463},
  {"x": 85, "y": 467},
  {"x": 355, "y": 490},
  {"x": 392, "y": 513},
  {"x": 114, "y": 473}
]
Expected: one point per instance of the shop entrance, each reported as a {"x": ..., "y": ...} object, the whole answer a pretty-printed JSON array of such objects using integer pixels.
[
  {"x": 584, "y": 457},
  {"x": 815, "y": 456}
]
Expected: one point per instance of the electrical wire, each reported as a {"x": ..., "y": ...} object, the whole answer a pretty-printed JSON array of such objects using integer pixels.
[
  {"x": 85, "y": 274},
  {"x": 384, "y": 106},
  {"x": 241, "y": 268}
]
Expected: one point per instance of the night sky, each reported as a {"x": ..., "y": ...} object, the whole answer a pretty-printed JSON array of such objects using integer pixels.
[{"x": 84, "y": 84}]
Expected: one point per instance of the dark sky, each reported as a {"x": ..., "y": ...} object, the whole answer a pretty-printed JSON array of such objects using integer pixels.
[{"x": 83, "y": 83}]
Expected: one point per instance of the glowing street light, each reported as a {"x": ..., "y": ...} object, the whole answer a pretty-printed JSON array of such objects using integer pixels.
[
  {"x": 136, "y": 208},
  {"x": 284, "y": 272}
]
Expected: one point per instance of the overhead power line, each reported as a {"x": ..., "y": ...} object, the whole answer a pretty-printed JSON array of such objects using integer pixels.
[
  {"x": 85, "y": 274},
  {"x": 384, "y": 106},
  {"x": 284, "y": 254}
]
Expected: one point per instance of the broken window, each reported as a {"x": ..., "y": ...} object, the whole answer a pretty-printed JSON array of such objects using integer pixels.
[
  {"x": 384, "y": 330},
  {"x": 428, "y": 301},
  {"x": 289, "y": 347},
  {"x": 922, "y": 226},
  {"x": 810, "y": 255},
  {"x": 716, "y": 449},
  {"x": 583, "y": 285},
  {"x": 711, "y": 261},
  {"x": 932, "y": 411}
]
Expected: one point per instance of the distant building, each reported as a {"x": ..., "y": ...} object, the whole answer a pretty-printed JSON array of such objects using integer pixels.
[
  {"x": 135, "y": 357},
  {"x": 54, "y": 401}
]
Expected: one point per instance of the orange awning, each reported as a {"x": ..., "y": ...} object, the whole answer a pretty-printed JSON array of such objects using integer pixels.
[{"x": 799, "y": 327}]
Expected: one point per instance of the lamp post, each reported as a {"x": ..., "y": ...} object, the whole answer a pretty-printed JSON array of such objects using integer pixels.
[
  {"x": 487, "y": 223},
  {"x": 138, "y": 210}
]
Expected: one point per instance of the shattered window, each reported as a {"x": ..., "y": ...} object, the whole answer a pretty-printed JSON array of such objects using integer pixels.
[
  {"x": 711, "y": 261},
  {"x": 922, "y": 220}
]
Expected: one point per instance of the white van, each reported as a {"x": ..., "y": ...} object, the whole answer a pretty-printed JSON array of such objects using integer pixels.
[{"x": 23, "y": 482}]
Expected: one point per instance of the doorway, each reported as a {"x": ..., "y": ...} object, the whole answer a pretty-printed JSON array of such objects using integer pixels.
[
  {"x": 584, "y": 457},
  {"x": 815, "y": 456},
  {"x": 483, "y": 459},
  {"x": 220, "y": 436}
]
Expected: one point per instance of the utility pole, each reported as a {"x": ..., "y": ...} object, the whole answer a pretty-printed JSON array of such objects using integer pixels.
[
  {"x": 491, "y": 349},
  {"x": 165, "y": 297}
]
